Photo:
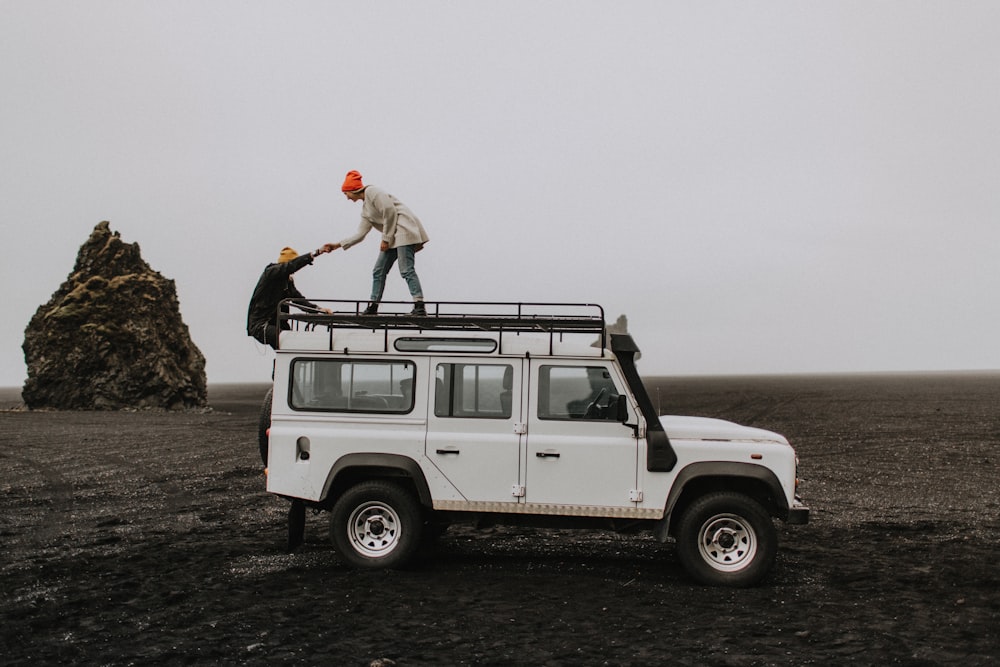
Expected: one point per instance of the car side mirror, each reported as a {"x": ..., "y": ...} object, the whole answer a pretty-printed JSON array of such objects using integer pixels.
[{"x": 621, "y": 413}]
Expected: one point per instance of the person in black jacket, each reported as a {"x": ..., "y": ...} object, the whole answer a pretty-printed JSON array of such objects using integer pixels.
[{"x": 274, "y": 285}]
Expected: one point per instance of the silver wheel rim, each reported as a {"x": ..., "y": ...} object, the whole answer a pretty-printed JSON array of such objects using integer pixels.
[
  {"x": 727, "y": 542},
  {"x": 374, "y": 529}
]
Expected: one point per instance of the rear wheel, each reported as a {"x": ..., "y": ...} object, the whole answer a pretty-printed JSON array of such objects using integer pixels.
[
  {"x": 376, "y": 524},
  {"x": 264, "y": 425},
  {"x": 726, "y": 539}
]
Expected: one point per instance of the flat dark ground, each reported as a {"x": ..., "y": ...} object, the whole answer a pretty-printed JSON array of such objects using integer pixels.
[{"x": 146, "y": 538}]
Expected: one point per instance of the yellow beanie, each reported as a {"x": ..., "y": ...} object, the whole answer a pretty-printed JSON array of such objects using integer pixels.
[{"x": 287, "y": 255}]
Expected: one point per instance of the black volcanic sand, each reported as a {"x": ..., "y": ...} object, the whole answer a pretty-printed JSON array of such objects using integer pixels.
[{"x": 147, "y": 537}]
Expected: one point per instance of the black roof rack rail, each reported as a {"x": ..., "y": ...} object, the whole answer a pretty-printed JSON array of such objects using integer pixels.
[{"x": 497, "y": 316}]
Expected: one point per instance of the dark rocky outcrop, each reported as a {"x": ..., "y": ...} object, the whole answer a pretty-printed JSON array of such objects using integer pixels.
[{"x": 112, "y": 337}]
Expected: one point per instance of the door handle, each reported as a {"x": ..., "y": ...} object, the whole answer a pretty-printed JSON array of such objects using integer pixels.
[
  {"x": 448, "y": 451},
  {"x": 547, "y": 455}
]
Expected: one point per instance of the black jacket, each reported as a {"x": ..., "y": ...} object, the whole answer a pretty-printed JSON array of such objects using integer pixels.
[{"x": 274, "y": 285}]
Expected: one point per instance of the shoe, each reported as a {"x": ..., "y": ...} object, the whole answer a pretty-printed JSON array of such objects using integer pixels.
[
  {"x": 372, "y": 309},
  {"x": 418, "y": 309}
]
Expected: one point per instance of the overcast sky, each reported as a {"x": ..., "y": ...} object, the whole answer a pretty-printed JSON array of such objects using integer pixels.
[{"x": 761, "y": 187}]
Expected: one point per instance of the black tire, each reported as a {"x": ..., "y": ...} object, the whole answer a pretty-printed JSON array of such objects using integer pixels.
[
  {"x": 726, "y": 539},
  {"x": 376, "y": 525},
  {"x": 264, "y": 424}
]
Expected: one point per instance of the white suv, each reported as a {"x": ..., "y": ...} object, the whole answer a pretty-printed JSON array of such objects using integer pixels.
[{"x": 399, "y": 425}]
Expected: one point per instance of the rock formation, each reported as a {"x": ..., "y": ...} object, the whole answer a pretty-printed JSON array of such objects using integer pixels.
[
  {"x": 620, "y": 326},
  {"x": 112, "y": 337}
]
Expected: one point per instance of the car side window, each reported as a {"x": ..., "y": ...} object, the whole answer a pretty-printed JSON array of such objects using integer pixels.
[
  {"x": 576, "y": 392},
  {"x": 332, "y": 385},
  {"x": 473, "y": 390}
]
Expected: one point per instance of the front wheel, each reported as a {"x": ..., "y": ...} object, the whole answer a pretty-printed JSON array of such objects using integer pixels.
[
  {"x": 726, "y": 539},
  {"x": 376, "y": 524}
]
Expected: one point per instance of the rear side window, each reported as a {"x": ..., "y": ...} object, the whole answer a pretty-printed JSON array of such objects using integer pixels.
[
  {"x": 473, "y": 390},
  {"x": 332, "y": 385}
]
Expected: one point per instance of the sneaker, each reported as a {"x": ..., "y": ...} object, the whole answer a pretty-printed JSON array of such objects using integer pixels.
[
  {"x": 418, "y": 309},
  {"x": 372, "y": 309}
]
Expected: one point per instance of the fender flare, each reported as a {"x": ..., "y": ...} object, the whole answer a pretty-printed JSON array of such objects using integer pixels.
[
  {"x": 394, "y": 464},
  {"x": 716, "y": 469}
]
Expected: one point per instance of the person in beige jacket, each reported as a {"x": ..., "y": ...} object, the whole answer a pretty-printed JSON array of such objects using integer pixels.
[{"x": 402, "y": 237}]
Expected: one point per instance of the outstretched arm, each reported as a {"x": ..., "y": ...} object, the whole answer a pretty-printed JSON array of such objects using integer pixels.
[{"x": 363, "y": 228}]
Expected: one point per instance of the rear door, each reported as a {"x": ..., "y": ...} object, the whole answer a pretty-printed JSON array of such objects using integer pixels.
[{"x": 474, "y": 435}]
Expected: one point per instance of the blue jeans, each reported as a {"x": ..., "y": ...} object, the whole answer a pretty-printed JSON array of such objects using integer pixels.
[{"x": 384, "y": 263}]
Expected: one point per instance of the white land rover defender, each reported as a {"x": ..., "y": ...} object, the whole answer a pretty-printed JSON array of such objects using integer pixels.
[{"x": 518, "y": 413}]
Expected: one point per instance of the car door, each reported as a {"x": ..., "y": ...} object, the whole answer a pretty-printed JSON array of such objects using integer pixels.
[
  {"x": 577, "y": 452},
  {"x": 474, "y": 432}
]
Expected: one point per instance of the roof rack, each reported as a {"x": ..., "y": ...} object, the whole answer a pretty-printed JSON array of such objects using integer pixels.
[{"x": 495, "y": 316}]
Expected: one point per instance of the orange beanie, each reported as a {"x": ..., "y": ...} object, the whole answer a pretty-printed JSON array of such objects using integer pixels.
[
  {"x": 287, "y": 255},
  {"x": 352, "y": 182}
]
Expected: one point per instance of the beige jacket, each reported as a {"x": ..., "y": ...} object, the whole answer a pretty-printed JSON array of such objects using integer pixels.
[{"x": 390, "y": 216}]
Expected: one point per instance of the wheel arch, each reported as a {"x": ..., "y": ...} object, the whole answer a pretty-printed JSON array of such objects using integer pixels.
[
  {"x": 353, "y": 468},
  {"x": 697, "y": 479}
]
